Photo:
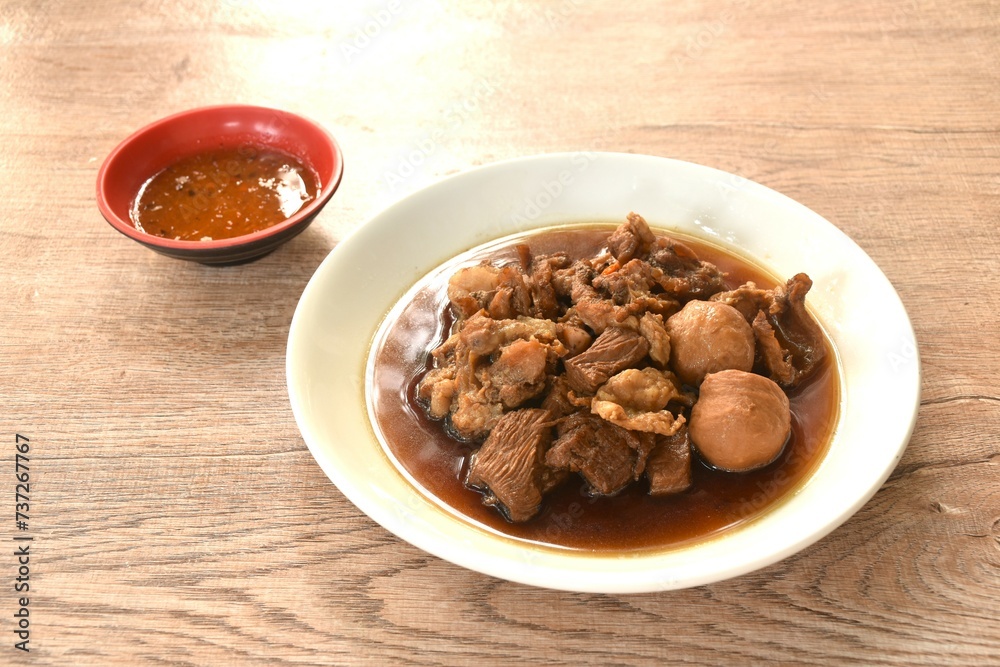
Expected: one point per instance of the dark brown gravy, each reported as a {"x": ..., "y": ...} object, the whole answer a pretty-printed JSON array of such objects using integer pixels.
[{"x": 630, "y": 520}]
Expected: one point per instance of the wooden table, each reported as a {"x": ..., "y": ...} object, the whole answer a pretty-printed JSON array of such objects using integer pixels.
[{"x": 176, "y": 514}]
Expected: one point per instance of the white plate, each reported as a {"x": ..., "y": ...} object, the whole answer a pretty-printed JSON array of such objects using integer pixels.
[{"x": 345, "y": 301}]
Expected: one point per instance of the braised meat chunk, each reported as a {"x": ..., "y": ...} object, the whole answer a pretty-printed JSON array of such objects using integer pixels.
[
  {"x": 487, "y": 366},
  {"x": 635, "y": 362},
  {"x": 614, "y": 350},
  {"x": 608, "y": 457},
  {"x": 510, "y": 467},
  {"x": 668, "y": 467},
  {"x": 632, "y": 239}
]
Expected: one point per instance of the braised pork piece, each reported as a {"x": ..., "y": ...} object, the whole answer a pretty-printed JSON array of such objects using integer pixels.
[{"x": 591, "y": 367}]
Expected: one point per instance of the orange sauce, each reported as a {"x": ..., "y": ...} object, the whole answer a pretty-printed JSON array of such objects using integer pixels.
[{"x": 223, "y": 193}]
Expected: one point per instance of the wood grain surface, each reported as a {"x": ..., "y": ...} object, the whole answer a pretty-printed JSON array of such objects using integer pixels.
[{"x": 177, "y": 515}]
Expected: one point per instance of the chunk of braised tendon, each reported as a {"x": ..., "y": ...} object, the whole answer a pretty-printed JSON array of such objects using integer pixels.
[
  {"x": 793, "y": 323},
  {"x": 632, "y": 238},
  {"x": 613, "y": 351},
  {"x": 635, "y": 399},
  {"x": 608, "y": 457},
  {"x": 574, "y": 338},
  {"x": 775, "y": 360},
  {"x": 471, "y": 289},
  {"x": 437, "y": 389},
  {"x": 668, "y": 467},
  {"x": 519, "y": 372},
  {"x": 510, "y": 467}
]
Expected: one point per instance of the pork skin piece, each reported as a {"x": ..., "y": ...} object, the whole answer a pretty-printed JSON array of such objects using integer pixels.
[
  {"x": 654, "y": 330},
  {"x": 510, "y": 467},
  {"x": 608, "y": 457},
  {"x": 613, "y": 351},
  {"x": 634, "y": 399},
  {"x": 668, "y": 467}
]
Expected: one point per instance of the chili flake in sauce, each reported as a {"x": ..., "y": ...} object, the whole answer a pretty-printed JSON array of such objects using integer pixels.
[{"x": 223, "y": 193}]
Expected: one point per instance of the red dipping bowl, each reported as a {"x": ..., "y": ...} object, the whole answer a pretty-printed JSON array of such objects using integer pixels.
[{"x": 159, "y": 145}]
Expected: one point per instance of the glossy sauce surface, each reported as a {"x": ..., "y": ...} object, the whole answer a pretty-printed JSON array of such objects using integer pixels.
[
  {"x": 570, "y": 518},
  {"x": 223, "y": 193}
]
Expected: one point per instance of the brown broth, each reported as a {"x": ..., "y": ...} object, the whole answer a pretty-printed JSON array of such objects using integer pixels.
[
  {"x": 570, "y": 518},
  {"x": 223, "y": 193}
]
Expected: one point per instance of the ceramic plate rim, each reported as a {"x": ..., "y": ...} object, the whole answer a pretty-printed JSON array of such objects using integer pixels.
[{"x": 318, "y": 343}]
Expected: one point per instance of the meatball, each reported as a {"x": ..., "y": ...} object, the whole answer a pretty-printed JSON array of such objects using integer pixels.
[
  {"x": 707, "y": 337},
  {"x": 741, "y": 420}
]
